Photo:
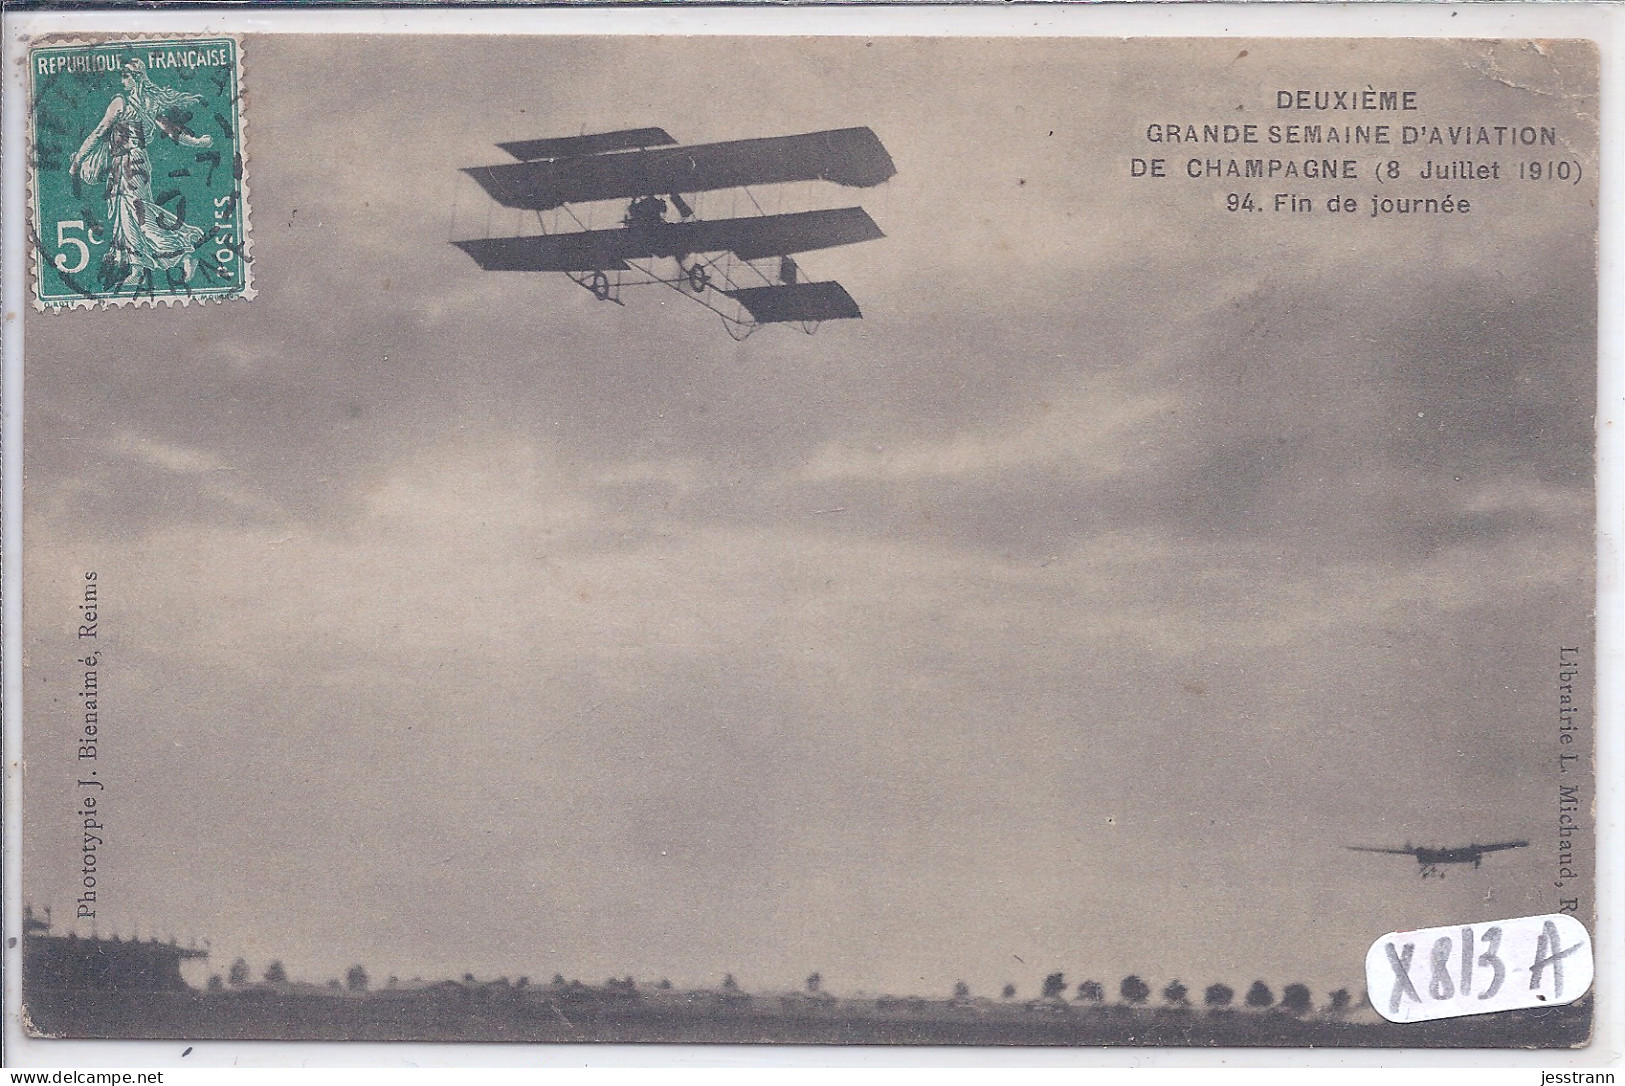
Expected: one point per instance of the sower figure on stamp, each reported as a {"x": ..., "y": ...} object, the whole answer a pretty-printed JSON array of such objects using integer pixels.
[{"x": 142, "y": 236}]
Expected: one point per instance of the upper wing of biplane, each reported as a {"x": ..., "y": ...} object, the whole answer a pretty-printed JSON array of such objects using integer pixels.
[
  {"x": 597, "y": 143},
  {"x": 608, "y": 250},
  {"x": 1389, "y": 851},
  {"x": 1501, "y": 846},
  {"x": 585, "y": 168}
]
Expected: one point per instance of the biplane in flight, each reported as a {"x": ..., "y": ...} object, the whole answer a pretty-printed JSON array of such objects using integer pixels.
[
  {"x": 1432, "y": 859},
  {"x": 740, "y": 267}
]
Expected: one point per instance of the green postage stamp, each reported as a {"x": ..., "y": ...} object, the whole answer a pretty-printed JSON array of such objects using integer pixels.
[{"x": 138, "y": 188}]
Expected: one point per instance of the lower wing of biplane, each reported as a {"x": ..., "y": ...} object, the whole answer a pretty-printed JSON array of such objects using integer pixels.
[{"x": 718, "y": 263}]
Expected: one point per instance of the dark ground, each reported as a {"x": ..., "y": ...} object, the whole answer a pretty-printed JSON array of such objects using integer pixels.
[{"x": 494, "y": 1014}]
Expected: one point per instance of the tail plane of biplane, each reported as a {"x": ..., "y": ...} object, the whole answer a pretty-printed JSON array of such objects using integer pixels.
[{"x": 714, "y": 259}]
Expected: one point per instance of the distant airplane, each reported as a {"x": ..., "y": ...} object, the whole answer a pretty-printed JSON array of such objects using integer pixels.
[{"x": 1432, "y": 859}]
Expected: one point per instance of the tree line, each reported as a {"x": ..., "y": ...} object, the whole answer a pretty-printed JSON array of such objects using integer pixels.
[
  {"x": 1135, "y": 992},
  {"x": 1132, "y": 990}
]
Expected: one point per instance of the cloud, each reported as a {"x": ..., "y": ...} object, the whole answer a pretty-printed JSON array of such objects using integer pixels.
[
  {"x": 176, "y": 458},
  {"x": 1093, "y": 437}
]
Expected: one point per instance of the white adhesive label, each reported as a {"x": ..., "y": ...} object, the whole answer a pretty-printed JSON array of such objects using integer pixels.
[{"x": 1504, "y": 965}]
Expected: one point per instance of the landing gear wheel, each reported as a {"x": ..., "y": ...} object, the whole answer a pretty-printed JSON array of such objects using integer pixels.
[
  {"x": 698, "y": 278},
  {"x": 598, "y": 283}
]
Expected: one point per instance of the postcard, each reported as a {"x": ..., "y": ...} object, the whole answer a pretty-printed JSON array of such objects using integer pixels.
[{"x": 944, "y": 540}]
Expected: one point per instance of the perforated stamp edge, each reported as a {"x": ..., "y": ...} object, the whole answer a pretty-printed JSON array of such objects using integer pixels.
[{"x": 247, "y": 291}]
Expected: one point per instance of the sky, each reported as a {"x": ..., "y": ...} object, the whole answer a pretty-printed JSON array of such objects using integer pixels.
[{"x": 1073, "y": 610}]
